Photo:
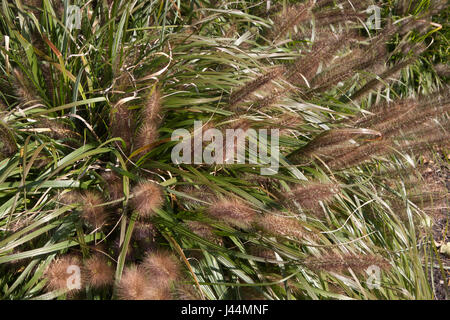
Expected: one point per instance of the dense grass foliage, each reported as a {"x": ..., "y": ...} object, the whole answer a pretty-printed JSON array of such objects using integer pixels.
[{"x": 86, "y": 175}]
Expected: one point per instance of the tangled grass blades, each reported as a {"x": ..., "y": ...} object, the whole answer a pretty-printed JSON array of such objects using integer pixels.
[{"x": 350, "y": 107}]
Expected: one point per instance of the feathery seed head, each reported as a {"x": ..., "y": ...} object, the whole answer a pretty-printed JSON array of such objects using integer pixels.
[
  {"x": 358, "y": 155},
  {"x": 114, "y": 184},
  {"x": 152, "y": 108},
  {"x": 117, "y": 249},
  {"x": 233, "y": 211},
  {"x": 262, "y": 252},
  {"x": 203, "y": 230},
  {"x": 122, "y": 123},
  {"x": 71, "y": 197},
  {"x": 148, "y": 197},
  {"x": 136, "y": 285},
  {"x": 162, "y": 267},
  {"x": 309, "y": 196},
  {"x": 336, "y": 16},
  {"x": 282, "y": 225},
  {"x": 185, "y": 292},
  {"x": 335, "y": 263},
  {"x": 94, "y": 214},
  {"x": 147, "y": 136},
  {"x": 252, "y": 86},
  {"x": 98, "y": 272},
  {"x": 291, "y": 17},
  {"x": 200, "y": 192},
  {"x": 443, "y": 70},
  {"x": 64, "y": 273},
  {"x": 24, "y": 89},
  {"x": 54, "y": 129},
  {"x": 144, "y": 231}
]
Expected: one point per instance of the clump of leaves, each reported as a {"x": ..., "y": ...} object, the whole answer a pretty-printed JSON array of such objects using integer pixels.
[{"x": 87, "y": 180}]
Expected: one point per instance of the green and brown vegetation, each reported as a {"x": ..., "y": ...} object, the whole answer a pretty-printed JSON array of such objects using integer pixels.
[{"x": 86, "y": 176}]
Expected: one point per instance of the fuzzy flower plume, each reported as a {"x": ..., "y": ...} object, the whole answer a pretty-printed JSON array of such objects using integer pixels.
[
  {"x": 203, "y": 230},
  {"x": 185, "y": 292},
  {"x": 309, "y": 196},
  {"x": 152, "y": 108},
  {"x": 201, "y": 193},
  {"x": 442, "y": 70},
  {"x": 61, "y": 272},
  {"x": 248, "y": 89},
  {"x": 55, "y": 129},
  {"x": 70, "y": 197},
  {"x": 233, "y": 211},
  {"x": 24, "y": 88},
  {"x": 98, "y": 272},
  {"x": 304, "y": 69},
  {"x": 326, "y": 143},
  {"x": 122, "y": 124},
  {"x": 151, "y": 117},
  {"x": 147, "y": 136},
  {"x": 336, "y": 16},
  {"x": 336, "y": 263},
  {"x": 282, "y": 225},
  {"x": 261, "y": 252},
  {"x": 357, "y": 155},
  {"x": 407, "y": 125},
  {"x": 144, "y": 231},
  {"x": 148, "y": 197},
  {"x": 291, "y": 17},
  {"x": 93, "y": 213},
  {"x": 387, "y": 75},
  {"x": 136, "y": 285},
  {"x": 162, "y": 268},
  {"x": 114, "y": 184}
]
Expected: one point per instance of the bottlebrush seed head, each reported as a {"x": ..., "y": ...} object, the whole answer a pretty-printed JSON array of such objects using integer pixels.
[
  {"x": 261, "y": 252},
  {"x": 282, "y": 225},
  {"x": 162, "y": 267},
  {"x": 24, "y": 89},
  {"x": 203, "y": 230},
  {"x": 145, "y": 234},
  {"x": 336, "y": 263},
  {"x": 94, "y": 214},
  {"x": 55, "y": 129},
  {"x": 249, "y": 88},
  {"x": 201, "y": 193},
  {"x": 185, "y": 292},
  {"x": 291, "y": 17},
  {"x": 148, "y": 197},
  {"x": 147, "y": 136},
  {"x": 122, "y": 124},
  {"x": 114, "y": 184},
  {"x": 117, "y": 247},
  {"x": 308, "y": 196},
  {"x": 152, "y": 108},
  {"x": 233, "y": 211},
  {"x": 59, "y": 273},
  {"x": 98, "y": 272},
  {"x": 71, "y": 197},
  {"x": 136, "y": 285},
  {"x": 442, "y": 70},
  {"x": 359, "y": 155}
]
